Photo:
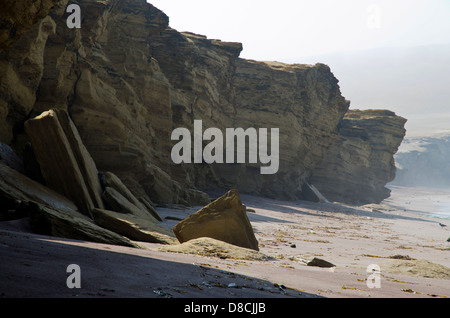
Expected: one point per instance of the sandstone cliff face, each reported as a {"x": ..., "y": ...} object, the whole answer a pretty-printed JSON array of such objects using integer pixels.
[
  {"x": 361, "y": 161},
  {"x": 305, "y": 103},
  {"x": 209, "y": 82},
  {"x": 105, "y": 76},
  {"x": 128, "y": 80},
  {"x": 21, "y": 70},
  {"x": 17, "y": 17}
]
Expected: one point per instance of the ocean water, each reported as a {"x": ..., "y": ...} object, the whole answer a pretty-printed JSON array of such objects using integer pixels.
[
  {"x": 442, "y": 210},
  {"x": 429, "y": 201}
]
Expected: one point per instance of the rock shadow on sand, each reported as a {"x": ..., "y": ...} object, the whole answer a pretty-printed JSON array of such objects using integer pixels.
[{"x": 34, "y": 266}]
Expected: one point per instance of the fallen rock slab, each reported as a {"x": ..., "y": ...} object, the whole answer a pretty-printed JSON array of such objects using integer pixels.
[
  {"x": 311, "y": 193},
  {"x": 114, "y": 182},
  {"x": 150, "y": 208},
  {"x": 84, "y": 160},
  {"x": 65, "y": 163},
  {"x": 133, "y": 227},
  {"x": 9, "y": 157},
  {"x": 119, "y": 203},
  {"x": 207, "y": 246},
  {"x": 73, "y": 225},
  {"x": 224, "y": 219},
  {"x": 15, "y": 187}
]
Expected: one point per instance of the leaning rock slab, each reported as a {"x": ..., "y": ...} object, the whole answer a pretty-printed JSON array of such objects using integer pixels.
[
  {"x": 65, "y": 163},
  {"x": 73, "y": 225},
  {"x": 14, "y": 186},
  {"x": 132, "y": 227},
  {"x": 120, "y": 204},
  {"x": 84, "y": 160},
  {"x": 9, "y": 158},
  {"x": 114, "y": 182},
  {"x": 224, "y": 219}
]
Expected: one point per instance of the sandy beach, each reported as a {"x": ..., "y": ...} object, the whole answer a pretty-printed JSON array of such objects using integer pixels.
[{"x": 410, "y": 249}]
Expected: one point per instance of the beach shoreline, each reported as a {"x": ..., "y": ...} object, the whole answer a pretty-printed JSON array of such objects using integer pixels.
[
  {"x": 434, "y": 202},
  {"x": 409, "y": 248}
]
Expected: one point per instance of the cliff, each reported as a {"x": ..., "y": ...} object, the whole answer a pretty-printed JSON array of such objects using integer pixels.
[
  {"x": 361, "y": 161},
  {"x": 128, "y": 80},
  {"x": 304, "y": 102},
  {"x": 17, "y": 17}
]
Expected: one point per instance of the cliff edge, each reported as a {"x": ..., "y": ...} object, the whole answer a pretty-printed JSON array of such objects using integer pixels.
[
  {"x": 361, "y": 161},
  {"x": 128, "y": 79}
]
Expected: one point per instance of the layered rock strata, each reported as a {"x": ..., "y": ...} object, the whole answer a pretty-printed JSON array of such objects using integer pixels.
[
  {"x": 128, "y": 80},
  {"x": 361, "y": 161},
  {"x": 17, "y": 17},
  {"x": 305, "y": 103},
  {"x": 90, "y": 111}
]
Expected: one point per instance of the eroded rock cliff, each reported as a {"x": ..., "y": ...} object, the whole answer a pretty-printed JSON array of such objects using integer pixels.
[
  {"x": 305, "y": 103},
  {"x": 17, "y": 17},
  {"x": 128, "y": 80},
  {"x": 361, "y": 161}
]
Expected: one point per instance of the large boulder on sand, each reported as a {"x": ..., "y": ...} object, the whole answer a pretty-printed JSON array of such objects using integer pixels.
[{"x": 224, "y": 219}]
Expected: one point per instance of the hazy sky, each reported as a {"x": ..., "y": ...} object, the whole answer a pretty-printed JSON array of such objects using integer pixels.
[{"x": 286, "y": 29}]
